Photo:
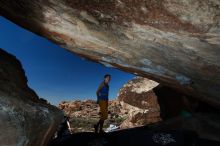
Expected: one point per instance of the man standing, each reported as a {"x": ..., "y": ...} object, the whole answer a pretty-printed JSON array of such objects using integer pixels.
[{"x": 102, "y": 100}]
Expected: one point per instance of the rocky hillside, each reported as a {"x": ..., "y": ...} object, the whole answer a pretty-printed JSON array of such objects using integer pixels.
[
  {"x": 84, "y": 114},
  {"x": 136, "y": 105}
]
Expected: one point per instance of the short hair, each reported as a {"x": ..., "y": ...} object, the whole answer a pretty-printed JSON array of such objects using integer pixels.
[{"x": 107, "y": 75}]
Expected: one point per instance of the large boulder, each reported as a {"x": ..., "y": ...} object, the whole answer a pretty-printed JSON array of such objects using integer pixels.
[
  {"x": 25, "y": 119},
  {"x": 175, "y": 42},
  {"x": 147, "y": 102},
  {"x": 139, "y": 100}
]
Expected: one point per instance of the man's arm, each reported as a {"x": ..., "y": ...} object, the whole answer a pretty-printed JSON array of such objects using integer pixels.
[{"x": 99, "y": 88}]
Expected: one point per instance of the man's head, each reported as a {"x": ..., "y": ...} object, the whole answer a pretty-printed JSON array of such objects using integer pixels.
[{"x": 107, "y": 78}]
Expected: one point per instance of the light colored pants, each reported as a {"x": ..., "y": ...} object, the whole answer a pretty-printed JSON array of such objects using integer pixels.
[{"x": 103, "y": 104}]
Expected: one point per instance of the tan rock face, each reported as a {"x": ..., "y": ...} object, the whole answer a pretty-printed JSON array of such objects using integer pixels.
[
  {"x": 25, "y": 119},
  {"x": 138, "y": 92},
  {"x": 140, "y": 101},
  {"x": 175, "y": 42}
]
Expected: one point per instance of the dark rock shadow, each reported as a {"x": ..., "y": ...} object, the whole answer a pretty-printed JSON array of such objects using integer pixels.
[{"x": 140, "y": 136}]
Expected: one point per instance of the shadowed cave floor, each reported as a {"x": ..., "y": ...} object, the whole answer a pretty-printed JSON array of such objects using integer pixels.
[{"x": 141, "y": 136}]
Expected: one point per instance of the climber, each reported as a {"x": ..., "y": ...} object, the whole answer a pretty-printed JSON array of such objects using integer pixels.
[{"x": 102, "y": 100}]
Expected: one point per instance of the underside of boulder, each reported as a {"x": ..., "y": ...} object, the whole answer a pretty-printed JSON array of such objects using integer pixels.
[{"x": 174, "y": 42}]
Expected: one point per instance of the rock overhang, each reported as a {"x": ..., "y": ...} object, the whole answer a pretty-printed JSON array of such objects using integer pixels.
[{"x": 174, "y": 42}]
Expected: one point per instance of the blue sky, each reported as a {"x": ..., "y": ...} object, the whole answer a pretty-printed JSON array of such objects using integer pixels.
[{"x": 54, "y": 73}]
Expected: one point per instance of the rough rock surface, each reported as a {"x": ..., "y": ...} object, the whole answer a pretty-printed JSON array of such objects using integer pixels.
[
  {"x": 175, "y": 42},
  {"x": 25, "y": 119},
  {"x": 147, "y": 102},
  {"x": 140, "y": 101}
]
